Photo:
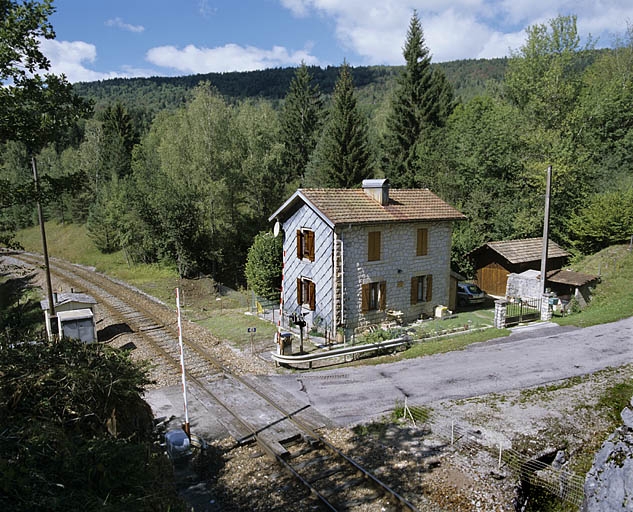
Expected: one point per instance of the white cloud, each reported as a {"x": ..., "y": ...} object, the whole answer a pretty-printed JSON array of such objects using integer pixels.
[
  {"x": 375, "y": 30},
  {"x": 119, "y": 23},
  {"x": 230, "y": 57},
  {"x": 205, "y": 9},
  {"x": 70, "y": 57}
]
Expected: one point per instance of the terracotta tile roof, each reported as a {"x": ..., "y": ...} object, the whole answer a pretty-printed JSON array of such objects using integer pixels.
[
  {"x": 354, "y": 206},
  {"x": 522, "y": 251}
]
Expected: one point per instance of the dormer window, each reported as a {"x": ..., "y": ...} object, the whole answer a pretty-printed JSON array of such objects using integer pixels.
[{"x": 305, "y": 244}]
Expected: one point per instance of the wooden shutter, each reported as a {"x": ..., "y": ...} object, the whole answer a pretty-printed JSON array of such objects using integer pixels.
[
  {"x": 422, "y": 247},
  {"x": 365, "y": 298},
  {"x": 299, "y": 291},
  {"x": 299, "y": 245},
  {"x": 373, "y": 252},
  {"x": 312, "y": 295},
  {"x": 429, "y": 288},
  {"x": 383, "y": 295},
  {"x": 309, "y": 244},
  {"x": 414, "y": 290}
]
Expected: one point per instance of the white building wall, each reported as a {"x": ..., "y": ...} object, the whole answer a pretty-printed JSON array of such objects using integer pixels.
[
  {"x": 320, "y": 271},
  {"x": 398, "y": 264}
]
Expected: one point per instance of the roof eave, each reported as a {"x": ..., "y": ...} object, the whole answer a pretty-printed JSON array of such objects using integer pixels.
[{"x": 281, "y": 212}]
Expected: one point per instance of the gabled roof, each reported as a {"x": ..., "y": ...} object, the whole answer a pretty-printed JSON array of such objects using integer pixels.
[
  {"x": 522, "y": 251},
  {"x": 354, "y": 206},
  {"x": 63, "y": 298}
]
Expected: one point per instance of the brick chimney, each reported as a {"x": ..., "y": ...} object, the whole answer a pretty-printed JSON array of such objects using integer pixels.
[{"x": 378, "y": 190}]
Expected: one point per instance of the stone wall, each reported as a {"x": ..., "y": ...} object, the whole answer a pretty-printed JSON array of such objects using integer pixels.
[{"x": 397, "y": 265}]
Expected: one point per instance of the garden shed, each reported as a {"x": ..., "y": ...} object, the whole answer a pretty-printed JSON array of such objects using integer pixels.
[{"x": 494, "y": 261}]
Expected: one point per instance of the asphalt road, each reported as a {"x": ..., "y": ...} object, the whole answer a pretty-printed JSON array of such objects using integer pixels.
[{"x": 528, "y": 357}]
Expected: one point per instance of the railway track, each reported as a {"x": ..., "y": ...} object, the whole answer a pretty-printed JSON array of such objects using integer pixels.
[{"x": 335, "y": 480}]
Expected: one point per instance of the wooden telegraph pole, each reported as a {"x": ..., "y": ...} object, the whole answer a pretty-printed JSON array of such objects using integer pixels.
[
  {"x": 40, "y": 216},
  {"x": 548, "y": 187}
]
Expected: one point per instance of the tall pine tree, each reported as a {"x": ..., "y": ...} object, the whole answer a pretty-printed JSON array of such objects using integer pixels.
[
  {"x": 300, "y": 120},
  {"x": 342, "y": 157},
  {"x": 422, "y": 101}
]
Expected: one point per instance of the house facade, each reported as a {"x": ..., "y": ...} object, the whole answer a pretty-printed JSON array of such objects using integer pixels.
[{"x": 358, "y": 257}]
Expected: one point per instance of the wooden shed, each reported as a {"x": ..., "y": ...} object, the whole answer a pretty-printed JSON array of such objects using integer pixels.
[{"x": 493, "y": 261}]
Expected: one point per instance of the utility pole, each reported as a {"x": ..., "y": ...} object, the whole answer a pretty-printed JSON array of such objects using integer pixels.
[
  {"x": 40, "y": 216},
  {"x": 548, "y": 188}
]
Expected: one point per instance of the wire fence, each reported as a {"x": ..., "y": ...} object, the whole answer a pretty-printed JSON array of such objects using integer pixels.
[{"x": 559, "y": 481}]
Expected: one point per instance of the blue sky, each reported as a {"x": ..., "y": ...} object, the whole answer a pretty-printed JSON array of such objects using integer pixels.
[{"x": 100, "y": 39}]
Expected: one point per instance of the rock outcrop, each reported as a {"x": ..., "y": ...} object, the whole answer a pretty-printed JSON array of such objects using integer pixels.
[{"x": 609, "y": 482}]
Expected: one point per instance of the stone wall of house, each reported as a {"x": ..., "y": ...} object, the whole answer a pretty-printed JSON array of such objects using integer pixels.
[{"x": 397, "y": 265}]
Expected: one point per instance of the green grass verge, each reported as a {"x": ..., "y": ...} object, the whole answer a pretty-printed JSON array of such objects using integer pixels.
[
  {"x": 71, "y": 242},
  {"x": 439, "y": 346},
  {"x": 613, "y": 297},
  {"x": 232, "y": 325}
]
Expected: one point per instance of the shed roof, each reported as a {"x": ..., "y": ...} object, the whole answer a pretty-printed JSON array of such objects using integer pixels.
[
  {"x": 522, "y": 251},
  {"x": 569, "y": 277},
  {"x": 354, "y": 206},
  {"x": 63, "y": 298}
]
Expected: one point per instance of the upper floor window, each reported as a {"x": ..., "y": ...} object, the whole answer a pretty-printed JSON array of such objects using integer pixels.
[
  {"x": 305, "y": 244},
  {"x": 422, "y": 244},
  {"x": 373, "y": 246}
]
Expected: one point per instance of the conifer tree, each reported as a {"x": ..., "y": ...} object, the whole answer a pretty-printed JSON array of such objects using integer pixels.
[
  {"x": 422, "y": 101},
  {"x": 342, "y": 157},
  {"x": 300, "y": 120}
]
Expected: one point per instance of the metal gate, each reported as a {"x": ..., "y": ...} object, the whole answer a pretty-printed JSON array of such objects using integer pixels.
[{"x": 523, "y": 310}]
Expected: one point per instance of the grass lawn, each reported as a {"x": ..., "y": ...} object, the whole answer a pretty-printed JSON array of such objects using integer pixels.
[
  {"x": 613, "y": 297},
  {"x": 232, "y": 325}
]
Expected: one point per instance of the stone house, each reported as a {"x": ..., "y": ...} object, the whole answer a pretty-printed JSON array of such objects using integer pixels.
[{"x": 358, "y": 257}]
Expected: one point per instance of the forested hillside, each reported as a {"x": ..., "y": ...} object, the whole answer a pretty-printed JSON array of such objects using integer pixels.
[
  {"x": 186, "y": 170},
  {"x": 469, "y": 77}
]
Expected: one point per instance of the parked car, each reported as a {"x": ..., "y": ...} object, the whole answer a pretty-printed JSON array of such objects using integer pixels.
[{"x": 468, "y": 293}]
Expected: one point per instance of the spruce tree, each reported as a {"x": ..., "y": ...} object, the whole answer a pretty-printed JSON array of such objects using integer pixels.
[
  {"x": 342, "y": 157},
  {"x": 422, "y": 101},
  {"x": 300, "y": 120}
]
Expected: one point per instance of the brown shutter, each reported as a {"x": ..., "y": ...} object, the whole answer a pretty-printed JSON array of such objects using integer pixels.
[
  {"x": 309, "y": 243},
  {"x": 299, "y": 294},
  {"x": 373, "y": 252},
  {"x": 383, "y": 295},
  {"x": 365, "y": 298},
  {"x": 429, "y": 288},
  {"x": 299, "y": 245},
  {"x": 414, "y": 290},
  {"x": 312, "y": 295},
  {"x": 422, "y": 248}
]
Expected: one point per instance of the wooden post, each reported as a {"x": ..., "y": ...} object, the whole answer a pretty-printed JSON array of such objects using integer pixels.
[{"x": 548, "y": 188}]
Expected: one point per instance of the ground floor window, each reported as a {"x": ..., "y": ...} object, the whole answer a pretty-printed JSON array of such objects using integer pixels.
[
  {"x": 374, "y": 296},
  {"x": 421, "y": 289},
  {"x": 306, "y": 293}
]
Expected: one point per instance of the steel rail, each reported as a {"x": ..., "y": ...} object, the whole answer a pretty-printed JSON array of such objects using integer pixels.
[{"x": 57, "y": 268}]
